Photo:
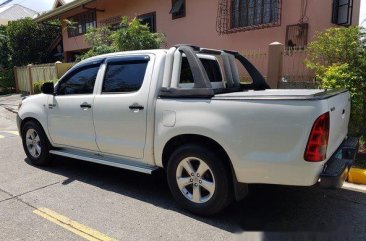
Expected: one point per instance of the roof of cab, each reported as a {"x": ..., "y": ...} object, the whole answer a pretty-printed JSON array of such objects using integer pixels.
[{"x": 116, "y": 54}]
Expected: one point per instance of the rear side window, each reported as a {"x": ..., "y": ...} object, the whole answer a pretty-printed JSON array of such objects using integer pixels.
[
  {"x": 124, "y": 77},
  {"x": 212, "y": 68},
  {"x": 80, "y": 81}
]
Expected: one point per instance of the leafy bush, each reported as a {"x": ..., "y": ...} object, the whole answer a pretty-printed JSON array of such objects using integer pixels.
[
  {"x": 338, "y": 57},
  {"x": 4, "y": 49},
  {"x": 99, "y": 36},
  {"x": 37, "y": 85},
  {"x": 7, "y": 83},
  {"x": 95, "y": 51},
  {"x": 132, "y": 35}
]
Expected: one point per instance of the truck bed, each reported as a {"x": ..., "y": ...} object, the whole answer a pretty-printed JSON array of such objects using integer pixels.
[
  {"x": 281, "y": 94},
  {"x": 264, "y": 132}
]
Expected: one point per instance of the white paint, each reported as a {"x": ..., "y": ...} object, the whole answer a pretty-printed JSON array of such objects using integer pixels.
[{"x": 264, "y": 139}]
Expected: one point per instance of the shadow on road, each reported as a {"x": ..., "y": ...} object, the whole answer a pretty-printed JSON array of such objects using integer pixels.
[{"x": 273, "y": 210}]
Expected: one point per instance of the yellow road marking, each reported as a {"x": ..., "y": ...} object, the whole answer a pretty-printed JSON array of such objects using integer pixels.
[
  {"x": 72, "y": 226},
  {"x": 2, "y": 137}
]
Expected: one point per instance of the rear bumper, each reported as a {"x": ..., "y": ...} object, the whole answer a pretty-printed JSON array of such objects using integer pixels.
[{"x": 336, "y": 170}]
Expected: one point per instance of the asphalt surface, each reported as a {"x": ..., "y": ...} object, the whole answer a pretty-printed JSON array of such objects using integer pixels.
[{"x": 125, "y": 205}]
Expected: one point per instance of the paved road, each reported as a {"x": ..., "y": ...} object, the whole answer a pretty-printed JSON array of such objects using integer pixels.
[{"x": 130, "y": 206}]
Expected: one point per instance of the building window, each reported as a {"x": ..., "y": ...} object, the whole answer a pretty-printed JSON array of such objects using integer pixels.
[
  {"x": 114, "y": 23},
  {"x": 254, "y": 13},
  {"x": 150, "y": 20},
  {"x": 243, "y": 15},
  {"x": 178, "y": 9},
  {"x": 80, "y": 23},
  {"x": 342, "y": 12}
]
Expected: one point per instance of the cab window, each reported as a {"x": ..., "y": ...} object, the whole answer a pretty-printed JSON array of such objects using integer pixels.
[
  {"x": 124, "y": 76},
  {"x": 79, "y": 82}
]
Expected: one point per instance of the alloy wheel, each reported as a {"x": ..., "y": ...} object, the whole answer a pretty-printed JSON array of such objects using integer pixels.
[
  {"x": 195, "y": 180},
  {"x": 33, "y": 143}
]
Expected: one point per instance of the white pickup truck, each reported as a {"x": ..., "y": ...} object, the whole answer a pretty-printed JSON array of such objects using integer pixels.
[{"x": 186, "y": 110}]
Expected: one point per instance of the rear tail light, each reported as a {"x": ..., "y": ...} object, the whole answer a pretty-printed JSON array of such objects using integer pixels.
[{"x": 316, "y": 149}]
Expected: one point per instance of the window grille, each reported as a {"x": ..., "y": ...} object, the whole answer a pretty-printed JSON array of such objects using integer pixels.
[
  {"x": 243, "y": 15},
  {"x": 297, "y": 36}
]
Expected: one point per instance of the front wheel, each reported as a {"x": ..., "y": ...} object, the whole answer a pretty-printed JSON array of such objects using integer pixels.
[
  {"x": 35, "y": 143},
  {"x": 199, "y": 180}
]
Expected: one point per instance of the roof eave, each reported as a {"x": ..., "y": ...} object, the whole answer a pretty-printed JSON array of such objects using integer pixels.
[{"x": 56, "y": 12}]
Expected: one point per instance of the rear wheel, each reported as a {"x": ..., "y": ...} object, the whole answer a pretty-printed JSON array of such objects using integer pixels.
[
  {"x": 35, "y": 143},
  {"x": 198, "y": 180}
]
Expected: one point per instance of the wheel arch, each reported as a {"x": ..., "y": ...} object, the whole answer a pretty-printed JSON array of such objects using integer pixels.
[
  {"x": 240, "y": 189},
  {"x": 27, "y": 119},
  {"x": 179, "y": 140}
]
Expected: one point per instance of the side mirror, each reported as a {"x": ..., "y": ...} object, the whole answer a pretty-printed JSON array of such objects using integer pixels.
[{"x": 48, "y": 88}]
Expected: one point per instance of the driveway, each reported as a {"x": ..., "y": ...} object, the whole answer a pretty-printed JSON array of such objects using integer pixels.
[{"x": 75, "y": 200}]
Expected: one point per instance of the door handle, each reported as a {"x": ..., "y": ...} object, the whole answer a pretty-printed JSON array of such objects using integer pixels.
[
  {"x": 136, "y": 107},
  {"x": 85, "y": 106}
]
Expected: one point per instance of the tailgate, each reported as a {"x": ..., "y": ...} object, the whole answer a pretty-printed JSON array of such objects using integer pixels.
[{"x": 339, "y": 109}]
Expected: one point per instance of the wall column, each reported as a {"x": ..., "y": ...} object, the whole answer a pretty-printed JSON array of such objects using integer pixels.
[{"x": 275, "y": 64}]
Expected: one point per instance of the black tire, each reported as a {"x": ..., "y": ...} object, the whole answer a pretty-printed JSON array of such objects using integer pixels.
[
  {"x": 43, "y": 158},
  {"x": 222, "y": 195}
]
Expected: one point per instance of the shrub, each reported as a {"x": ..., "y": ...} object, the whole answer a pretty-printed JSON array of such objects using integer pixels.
[
  {"x": 132, "y": 35},
  {"x": 338, "y": 57},
  {"x": 99, "y": 36},
  {"x": 37, "y": 85},
  {"x": 7, "y": 83},
  {"x": 4, "y": 49},
  {"x": 95, "y": 51}
]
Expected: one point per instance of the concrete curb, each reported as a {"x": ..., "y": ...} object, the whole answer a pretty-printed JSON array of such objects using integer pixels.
[{"x": 357, "y": 176}]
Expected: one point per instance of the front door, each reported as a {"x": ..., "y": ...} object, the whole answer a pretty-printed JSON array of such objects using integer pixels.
[
  {"x": 70, "y": 115},
  {"x": 120, "y": 110}
]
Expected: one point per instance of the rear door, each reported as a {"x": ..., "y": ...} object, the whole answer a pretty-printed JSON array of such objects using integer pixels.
[{"x": 120, "y": 109}]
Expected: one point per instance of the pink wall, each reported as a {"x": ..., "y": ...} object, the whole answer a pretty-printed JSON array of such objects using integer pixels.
[
  {"x": 74, "y": 43},
  {"x": 199, "y": 25}
]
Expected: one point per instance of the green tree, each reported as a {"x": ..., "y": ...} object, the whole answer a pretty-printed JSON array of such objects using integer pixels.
[
  {"x": 4, "y": 49},
  {"x": 101, "y": 41},
  {"x": 29, "y": 42},
  {"x": 6, "y": 71},
  {"x": 132, "y": 35},
  {"x": 338, "y": 57}
]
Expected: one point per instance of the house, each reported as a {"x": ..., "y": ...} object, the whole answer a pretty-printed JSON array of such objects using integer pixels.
[
  {"x": 228, "y": 24},
  {"x": 14, "y": 12}
]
